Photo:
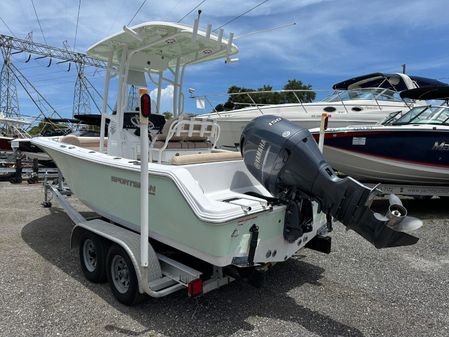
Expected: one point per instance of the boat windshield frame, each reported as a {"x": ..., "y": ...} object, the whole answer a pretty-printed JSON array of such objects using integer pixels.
[
  {"x": 380, "y": 94},
  {"x": 429, "y": 114}
]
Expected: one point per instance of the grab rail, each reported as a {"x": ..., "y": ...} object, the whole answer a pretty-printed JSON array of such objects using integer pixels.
[{"x": 344, "y": 97}]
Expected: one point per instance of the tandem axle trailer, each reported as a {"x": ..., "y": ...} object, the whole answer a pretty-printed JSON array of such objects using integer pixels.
[{"x": 109, "y": 252}]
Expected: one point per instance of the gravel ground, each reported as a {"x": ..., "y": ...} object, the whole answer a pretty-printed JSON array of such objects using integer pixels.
[{"x": 355, "y": 291}]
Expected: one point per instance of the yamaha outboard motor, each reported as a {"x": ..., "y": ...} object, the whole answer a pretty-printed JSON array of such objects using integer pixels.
[{"x": 286, "y": 160}]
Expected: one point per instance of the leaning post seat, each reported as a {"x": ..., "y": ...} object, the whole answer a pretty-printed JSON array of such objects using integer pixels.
[
  {"x": 91, "y": 143},
  {"x": 186, "y": 133}
]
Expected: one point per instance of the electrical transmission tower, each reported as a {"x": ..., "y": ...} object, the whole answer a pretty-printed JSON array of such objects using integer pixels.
[
  {"x": 81, "y": 98},
  {"x": 133, "y": 98},
  {"x": 8, "y": 95},
  {"x": 9, "y": 103}
]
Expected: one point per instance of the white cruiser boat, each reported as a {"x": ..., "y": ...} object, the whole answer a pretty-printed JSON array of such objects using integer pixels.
[
  {"x": 190, "y": 197},
  {"x": 362, "y": 100}
]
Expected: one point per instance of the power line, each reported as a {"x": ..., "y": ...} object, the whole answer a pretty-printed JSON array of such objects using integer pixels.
[
  {"x": 239, "y": 16},
  {"x": 264, "y": 30},
  {"x": 138, "y": 10},
  {"x": 191, "y": 10},
  {"x": 39, "y": 22},
  {"x": 175, "y": 6},
  {"x": 77, "y": 21},
  {"x": 7, "y": 27},
  {"x": 114, "y": 19}
]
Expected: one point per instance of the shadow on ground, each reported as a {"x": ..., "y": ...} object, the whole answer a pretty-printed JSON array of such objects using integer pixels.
[{"x": 221, "y": 312}]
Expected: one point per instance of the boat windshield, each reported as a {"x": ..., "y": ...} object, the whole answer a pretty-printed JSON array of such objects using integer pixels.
[
  {"x": 425, "y": 115},
  {"x": 364, "y": 94}
]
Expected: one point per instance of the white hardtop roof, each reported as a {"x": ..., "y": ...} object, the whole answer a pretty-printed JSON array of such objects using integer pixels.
[
  {"x": 13, "y": 121},
  {"x": 158, "y": 45}
]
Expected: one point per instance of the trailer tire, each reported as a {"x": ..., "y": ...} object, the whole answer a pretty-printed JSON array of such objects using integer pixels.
[
  {"x": 122, "y": 276},
  {"x": 92, "y": 252}
]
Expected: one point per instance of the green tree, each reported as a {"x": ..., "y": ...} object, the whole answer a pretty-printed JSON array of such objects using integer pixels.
[
  {"x": 44, "y": 126},
  {"x": 265, "y": 96},
  {"x": 305, "y": 96},
  {"x": 167, "y": 115}
]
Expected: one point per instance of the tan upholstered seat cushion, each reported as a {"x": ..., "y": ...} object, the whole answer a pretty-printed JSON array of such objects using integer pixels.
[
  {"x": 92, "y": 143},
  {"x": 205, "y": 158}
]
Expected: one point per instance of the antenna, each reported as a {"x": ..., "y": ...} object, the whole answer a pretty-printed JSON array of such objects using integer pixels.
[
  {"x": 265, "y": 30},
  {"x": 240, "y": 15},
  {"x": 191, "y": 11}
]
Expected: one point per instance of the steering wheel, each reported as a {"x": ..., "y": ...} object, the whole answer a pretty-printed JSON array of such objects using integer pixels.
[
  {"x": 135, "y": 120},
  {"x": 152, "y": 130}
]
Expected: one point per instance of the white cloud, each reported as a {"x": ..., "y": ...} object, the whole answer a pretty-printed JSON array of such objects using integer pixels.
[
  {"x": 331, "y": 39},
  {"x": 166, "y": 98}
]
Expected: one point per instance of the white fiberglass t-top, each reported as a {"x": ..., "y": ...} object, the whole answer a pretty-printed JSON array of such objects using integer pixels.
[{"x": 153, "y": 48}]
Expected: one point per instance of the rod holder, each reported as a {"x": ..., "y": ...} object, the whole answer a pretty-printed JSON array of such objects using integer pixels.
[
  {"x": 220, "y": 36},
  {"x": 229, "y": 46},
  {"x": 132, "y": 33},
  {"x": 208, "y": 30},
  {"x": 196, "y": 24}
]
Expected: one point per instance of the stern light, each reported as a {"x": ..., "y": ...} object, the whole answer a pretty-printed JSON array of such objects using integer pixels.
[
  {"x": 195, "y": 287},
  {"x": 145, "y": 104}
]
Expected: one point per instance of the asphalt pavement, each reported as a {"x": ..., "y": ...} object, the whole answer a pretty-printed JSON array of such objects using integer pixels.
[{"x": 355, "y": 291}]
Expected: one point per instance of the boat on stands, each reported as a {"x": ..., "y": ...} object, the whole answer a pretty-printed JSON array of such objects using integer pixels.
[
  {"x": 361, "y": 100},
  {"x": 166, "y": 181},
  {"x": 11, "y": 128},
  {"x": 412, "y": 148},
  {"x": 85, "y": 125}
]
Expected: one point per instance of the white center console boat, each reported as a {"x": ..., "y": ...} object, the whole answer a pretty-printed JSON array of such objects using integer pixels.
[{"x": 174, "y": 188}]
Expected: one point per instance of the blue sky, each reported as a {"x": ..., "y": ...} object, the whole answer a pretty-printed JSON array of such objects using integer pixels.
[{"x": 331, "y": 41}]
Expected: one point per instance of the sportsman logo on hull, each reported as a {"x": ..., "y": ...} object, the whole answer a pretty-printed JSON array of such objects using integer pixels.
[
  {"x": 443, "y": 146},
  {"x": 132, "y": 183}
]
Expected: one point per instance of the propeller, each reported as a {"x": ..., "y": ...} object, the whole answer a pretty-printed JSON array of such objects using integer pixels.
[{"x": 396, "y": 217}]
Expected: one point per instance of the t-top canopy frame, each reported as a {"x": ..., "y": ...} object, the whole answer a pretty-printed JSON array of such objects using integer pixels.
[{"x": 155, "y": 47}]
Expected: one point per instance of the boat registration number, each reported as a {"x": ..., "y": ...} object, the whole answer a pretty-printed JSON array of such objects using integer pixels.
[{"x": 358, "y": 140}]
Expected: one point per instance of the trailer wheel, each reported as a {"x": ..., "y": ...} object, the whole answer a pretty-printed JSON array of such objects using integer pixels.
[
  {"x": 92, "y": 253},
  {"x": 122, "y": 276}
]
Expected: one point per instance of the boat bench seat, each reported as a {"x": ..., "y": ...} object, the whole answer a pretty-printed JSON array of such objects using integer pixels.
[
  {"x": 206, "y": 158},
  {"x": 91, "y": 143},
  {"x": 183, "y": 145}
]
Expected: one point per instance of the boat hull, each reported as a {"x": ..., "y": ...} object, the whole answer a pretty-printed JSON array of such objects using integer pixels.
[
  {"x": 413, "y": 155},
  {"x": 306, "y": 115},
  {"x": 114, "y": 193},
  {"x": 5, "y": 144}
]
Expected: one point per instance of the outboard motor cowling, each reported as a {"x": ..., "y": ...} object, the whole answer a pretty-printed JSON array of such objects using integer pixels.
[{"x": 286, "y": 160}]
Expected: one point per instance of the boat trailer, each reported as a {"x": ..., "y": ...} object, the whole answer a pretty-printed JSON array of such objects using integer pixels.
[{"x": 163, "y": 275}]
